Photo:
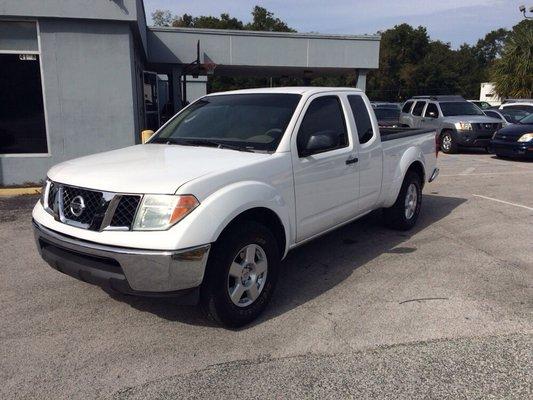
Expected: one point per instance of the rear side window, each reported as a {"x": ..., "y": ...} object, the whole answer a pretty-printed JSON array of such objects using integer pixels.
[
  {"x": 325, "y": 117},
  {"x": 362, "y": 118},
  {"x": 407, "y": 107},
  {"x": 432, "y": 107},
  {"x": 419, "y": 106},
  {"x": 492, "y": 114}
]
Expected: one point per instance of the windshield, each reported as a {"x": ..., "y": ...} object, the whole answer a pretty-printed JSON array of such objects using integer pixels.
[
  {"x": 453, "y": 108},
  {"x": 527, "y": 120},
  {"x": 240, "y": 121},
  {"x": 513, "y": 116},
  {"x": 387, "y": 113}
]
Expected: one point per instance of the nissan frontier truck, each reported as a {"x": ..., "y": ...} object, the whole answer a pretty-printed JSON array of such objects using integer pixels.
[{"x": 211, "y": 204}]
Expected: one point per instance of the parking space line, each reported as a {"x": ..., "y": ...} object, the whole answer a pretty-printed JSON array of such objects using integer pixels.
[
  {"x": 504, "y": 202},
  {"x": 468, "y": 171}
]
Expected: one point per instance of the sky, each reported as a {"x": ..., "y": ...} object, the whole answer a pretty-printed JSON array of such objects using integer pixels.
[{"x": 453, "y": 21}]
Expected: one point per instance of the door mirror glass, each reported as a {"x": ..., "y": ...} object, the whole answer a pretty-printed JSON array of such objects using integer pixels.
[
  {"x": 432, "y": 114},
  {"x": 317, "y": 143}
]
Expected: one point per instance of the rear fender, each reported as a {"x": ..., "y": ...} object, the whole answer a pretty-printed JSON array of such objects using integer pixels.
[{"x": 410, "y": 156}]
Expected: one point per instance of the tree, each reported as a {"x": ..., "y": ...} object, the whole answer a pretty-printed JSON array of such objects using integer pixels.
[
  {"x": 264, "y": 20},
  {"x": 162, "y": 18},
  {"x": 490, "y": 47},
  {"x": 513, "y": 72}
]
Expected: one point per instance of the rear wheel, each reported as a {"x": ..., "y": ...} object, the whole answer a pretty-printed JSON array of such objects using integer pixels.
[
  {"x": 447, "y": 143},
  {"x": 241, "y": 274},
  {"x": 404, "y": 212}
]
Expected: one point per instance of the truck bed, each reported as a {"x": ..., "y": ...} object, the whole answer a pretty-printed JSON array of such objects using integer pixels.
[{"x": 397, "y": 133}]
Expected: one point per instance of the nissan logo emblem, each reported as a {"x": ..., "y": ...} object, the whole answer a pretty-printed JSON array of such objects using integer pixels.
[{"x": 77, "y": 205}]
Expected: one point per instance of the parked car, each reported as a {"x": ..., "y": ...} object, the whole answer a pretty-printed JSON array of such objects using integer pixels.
[
  {"x": 518, "y": 104},
  {"x": 481, "y": 104},
  {"x": 388, "y": 117},
  {"x": 217, "y": 197},
  {"x": 507, "y": 115},
  {"x": 458, "y": 122},
  {"x": 515, "y": 140}
]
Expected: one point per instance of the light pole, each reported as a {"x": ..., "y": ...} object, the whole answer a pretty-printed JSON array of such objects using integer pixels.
[{"x": 522, "y": 9}]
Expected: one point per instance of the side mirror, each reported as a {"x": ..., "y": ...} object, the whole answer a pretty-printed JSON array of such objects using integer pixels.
[
  {"x": 315, "y": 144},
  {"x": 432, "y": 114},
  {"x": 145, "y": 135}
]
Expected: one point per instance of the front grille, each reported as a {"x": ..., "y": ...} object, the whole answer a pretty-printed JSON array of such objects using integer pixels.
[
  {"x": 93, "y": 203},
  {"x": 90, "y": 209},
  {"x": 491, "y": 127},
  {"x": 125, "y": 212}
]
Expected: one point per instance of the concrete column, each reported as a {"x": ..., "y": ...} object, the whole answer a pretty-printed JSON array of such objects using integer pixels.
[
  {"x": 361, "y": 80},
  {"x": 175, "y": 88}
]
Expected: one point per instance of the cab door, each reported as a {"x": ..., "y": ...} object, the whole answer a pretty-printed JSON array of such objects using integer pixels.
[
  {"x": 417, "y": 113},
  {"x": 431, "y": 115},
  {"x": 324, "y": 156}
]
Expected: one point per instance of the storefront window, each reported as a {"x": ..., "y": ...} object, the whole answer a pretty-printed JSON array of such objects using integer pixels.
[{"x": 22, "y": 123}]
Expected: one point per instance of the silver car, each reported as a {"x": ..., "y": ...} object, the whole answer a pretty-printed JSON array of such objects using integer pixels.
[{"x": 458, "y": 122}]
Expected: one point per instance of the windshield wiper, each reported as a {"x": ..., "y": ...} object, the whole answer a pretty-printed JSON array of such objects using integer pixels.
[
  {"x": 215, "y": 143},
  {"x": 201, "y": 142}
]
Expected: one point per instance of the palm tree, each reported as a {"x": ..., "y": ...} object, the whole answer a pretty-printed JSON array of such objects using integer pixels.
[{"x": 513, "y": 72}]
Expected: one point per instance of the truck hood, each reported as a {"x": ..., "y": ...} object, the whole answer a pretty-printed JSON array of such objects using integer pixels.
[
  {"x": 149, "y": 168},
  {"x": 476, "y": 119}
]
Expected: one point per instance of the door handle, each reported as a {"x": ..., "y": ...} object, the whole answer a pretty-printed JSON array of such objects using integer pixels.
[{"x": 351, "y": 160}]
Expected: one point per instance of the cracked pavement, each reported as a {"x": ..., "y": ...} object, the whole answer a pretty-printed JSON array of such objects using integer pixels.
[{"x": 443, "y": 311}]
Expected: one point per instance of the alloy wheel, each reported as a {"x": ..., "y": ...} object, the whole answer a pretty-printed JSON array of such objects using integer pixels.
[
  {"x": 247, "y": 275},
  {"x": 411, "y": 200}
]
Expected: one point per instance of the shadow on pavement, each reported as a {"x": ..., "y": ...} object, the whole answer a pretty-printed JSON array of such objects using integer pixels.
[{"x": 320, "y": 265}]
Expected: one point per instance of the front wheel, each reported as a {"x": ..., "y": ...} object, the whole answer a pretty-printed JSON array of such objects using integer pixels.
[
  {"x": 241, "y": 274},
  {"x": 404, "y": 212},
  {"x": 447, "y": 143}
]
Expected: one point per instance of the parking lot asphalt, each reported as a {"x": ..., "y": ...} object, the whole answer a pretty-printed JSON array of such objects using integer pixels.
[{"x": 443, "y": 311}]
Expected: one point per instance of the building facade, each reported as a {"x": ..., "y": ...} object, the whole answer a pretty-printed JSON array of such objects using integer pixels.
[{"x": 80, "y": 77}]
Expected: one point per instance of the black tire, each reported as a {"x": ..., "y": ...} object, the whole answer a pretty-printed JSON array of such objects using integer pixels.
[
  {"x": 396, "y": 216},
  {"x": 214, "y": 295},
  {"x": 447, "y": 143}
]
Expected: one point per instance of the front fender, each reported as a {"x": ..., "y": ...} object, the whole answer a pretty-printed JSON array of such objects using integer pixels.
[{"x": 205, "y": 224}]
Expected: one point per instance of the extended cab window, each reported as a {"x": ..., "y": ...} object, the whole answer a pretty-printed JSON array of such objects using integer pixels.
[
  {"x": 407, "y": 107},
  {"x": 362, "y": 118},
  {"x": 431, "y": 111},
  {"x": 419, "y": 106},
  {"x": 323, "y": 118}
]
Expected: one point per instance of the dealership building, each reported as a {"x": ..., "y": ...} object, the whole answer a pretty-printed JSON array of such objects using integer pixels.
[{"x": 79, "y": 77}]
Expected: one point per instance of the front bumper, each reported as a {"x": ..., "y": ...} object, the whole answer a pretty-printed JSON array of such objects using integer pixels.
[
  {"x": 132, "y": 271},
  {"x": 512, "y": 149},
  {"x": 473, "y": 138}
]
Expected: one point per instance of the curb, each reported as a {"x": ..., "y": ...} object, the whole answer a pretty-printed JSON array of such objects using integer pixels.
[{"x": 7, "y": 192}]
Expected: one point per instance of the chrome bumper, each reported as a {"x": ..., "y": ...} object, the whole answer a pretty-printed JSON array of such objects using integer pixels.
[{"x": 134, "y": 271}]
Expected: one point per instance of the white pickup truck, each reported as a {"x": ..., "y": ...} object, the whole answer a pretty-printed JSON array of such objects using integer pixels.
[{"x": 211, "y": 204}]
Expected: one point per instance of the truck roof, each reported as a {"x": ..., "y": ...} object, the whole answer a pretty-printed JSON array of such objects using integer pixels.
[
  {"x": 290, "y": 90},
  {"x": 439, "y": 98}
]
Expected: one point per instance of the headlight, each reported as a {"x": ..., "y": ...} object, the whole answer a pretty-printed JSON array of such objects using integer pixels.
[
  {"x": 44, "y": 192},
  {"x": 526, "y": 138},
  {"x": 463, "y": 126},
  {"x": 160, "y": 212}
]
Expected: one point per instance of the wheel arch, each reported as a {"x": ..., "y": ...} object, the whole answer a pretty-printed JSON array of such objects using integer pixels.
[
  {"x": 265, "y": 216},
  {"x": 417, "y": 167}
]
